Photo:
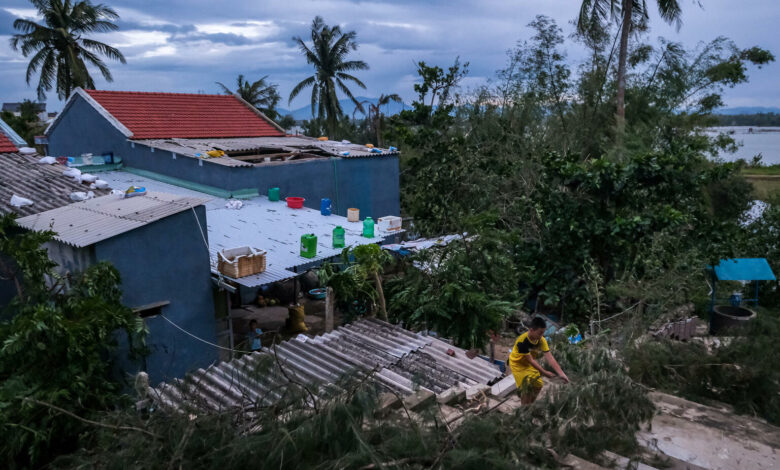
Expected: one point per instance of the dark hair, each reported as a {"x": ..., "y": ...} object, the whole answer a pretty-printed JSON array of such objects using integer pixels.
[
  {"x": 538, "y": 322},
  {"x": 252, "y": 321}
]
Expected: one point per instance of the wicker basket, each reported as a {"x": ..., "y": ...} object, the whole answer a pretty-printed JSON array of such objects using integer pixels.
[{"x": 241, "y": 262}]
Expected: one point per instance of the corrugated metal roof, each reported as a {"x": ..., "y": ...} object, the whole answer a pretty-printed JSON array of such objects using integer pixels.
[
  {"x": 292, "y": 144},
  {"x": 43, "y": 184},
  {"x": 401, "y": 361},
  {"x": 85, "y": 223},
  {"x": 266, "y": 225}
]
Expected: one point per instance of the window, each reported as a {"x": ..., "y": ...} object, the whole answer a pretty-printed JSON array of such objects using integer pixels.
[{"x": 150, "y": 310}]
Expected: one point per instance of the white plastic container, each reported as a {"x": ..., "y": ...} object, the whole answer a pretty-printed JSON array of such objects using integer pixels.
[
  {"x": 389, "y": 223},
  {"x": 353, "y": 215}
]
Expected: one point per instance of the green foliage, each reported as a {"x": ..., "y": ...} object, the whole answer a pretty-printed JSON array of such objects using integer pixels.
[
  {"x": 739, "y": 372},
  {"x": 57, "y": 344},
  {"x": 260, "y": 94},
  {"x": 760, "y": 240},
  {"x": 602, "y": 409},
  {"x": 357, "y": 282},
  {"x": 27, "y": 124},
  {"x": 59, "y": 47},
  {"x": 461, "y": 291},
  {"x": 757, "y": 120}
]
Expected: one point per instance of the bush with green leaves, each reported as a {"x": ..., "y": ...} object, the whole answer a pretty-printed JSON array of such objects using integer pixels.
[
  {"x": 58, "y": 339},
  {"x": 460, "y": 291}
]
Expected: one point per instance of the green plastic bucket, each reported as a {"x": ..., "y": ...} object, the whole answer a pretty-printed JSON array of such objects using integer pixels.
[
  {"x": 273, "y": 194},
  {"x": 368, "y": 227},
  {"x": 309, "y": 245},
  {"x": 338, "y": 237}
]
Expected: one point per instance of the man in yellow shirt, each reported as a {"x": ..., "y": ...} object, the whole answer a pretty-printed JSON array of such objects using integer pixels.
[{"x": 524, "y": 365}]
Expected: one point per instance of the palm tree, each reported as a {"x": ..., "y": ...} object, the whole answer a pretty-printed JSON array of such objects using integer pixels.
[
  {"x": 375, "y": 116},
  {"x": 631, "y": 13},
  {"x": 59, "y": 48},
  {"x": 260, "y": 94},
  {"x": 328, "y": 53}
]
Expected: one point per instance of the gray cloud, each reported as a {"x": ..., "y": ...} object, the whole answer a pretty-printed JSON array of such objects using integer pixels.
[{"x": 187, "y": 45}]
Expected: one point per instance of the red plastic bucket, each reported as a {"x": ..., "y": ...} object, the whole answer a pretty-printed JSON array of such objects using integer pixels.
[{"x": 294, "y": 202}]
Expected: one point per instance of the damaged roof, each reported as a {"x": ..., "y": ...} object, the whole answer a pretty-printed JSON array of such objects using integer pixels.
[
  {"x": 44, "y": 185},
  {"x": 248, "y": 151},
  {"x": 87, "y": 222},
  {"x": 400, "y": 360}
]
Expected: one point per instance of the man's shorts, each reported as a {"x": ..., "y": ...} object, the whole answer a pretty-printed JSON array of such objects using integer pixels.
[{"x": 528, "y": 378}]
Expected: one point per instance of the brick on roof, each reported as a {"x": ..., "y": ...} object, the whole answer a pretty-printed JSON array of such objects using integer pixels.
[
  {"x": 181, "y": 115},
  {"x": 6, "y": 145}
]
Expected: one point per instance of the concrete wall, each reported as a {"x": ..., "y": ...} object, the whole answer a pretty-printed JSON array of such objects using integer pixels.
[
  {"x": 168, "y": 261},
  {"x": 81, "y": 129},
  {"x": 370, "y": 184}
]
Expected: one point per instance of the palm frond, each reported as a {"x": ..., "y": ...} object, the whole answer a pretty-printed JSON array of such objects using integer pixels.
[
  {"x": 104, "y": 49},
  {"x": 351, "y": 78},
  {"x": 225, "y": 89},
  {"x": 671, "y": 12},
  {"x": 309, "y": 81}
]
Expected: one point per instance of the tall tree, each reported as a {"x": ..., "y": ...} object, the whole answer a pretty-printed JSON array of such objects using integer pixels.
[
  {"x": 630, "y": 13},
  {"x": 328, "y": 54},
  {"x": 59, "y": 48},
  {"x": 260, "y": 94},
  {"x": 375, "y": 116}
]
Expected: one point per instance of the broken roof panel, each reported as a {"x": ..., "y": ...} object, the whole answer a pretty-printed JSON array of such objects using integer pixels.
[
  {"x": 184, "y": 115},
  {"x": 400, "y": 360},
  {"x": 242, "y": 151},
  {"x": 45, "y": 185},
  {"x": 85, "y": 223}
]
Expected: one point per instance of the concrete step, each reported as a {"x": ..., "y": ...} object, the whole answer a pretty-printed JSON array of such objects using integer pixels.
[
  {"x": 695, "y": 436},
  {"x": 624, "y": 463},
  {"x": 572, "y": 461}
]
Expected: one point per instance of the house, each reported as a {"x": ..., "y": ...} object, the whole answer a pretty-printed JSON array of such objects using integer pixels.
[
  {"x": 168, "y": 135},
  {"x": 10, "y": 141},
  {"x": 157, "y": 243}
]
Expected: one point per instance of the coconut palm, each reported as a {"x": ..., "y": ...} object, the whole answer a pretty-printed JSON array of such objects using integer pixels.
[
  {"x": 260, "y": 94},
  {"x": 328, "y": 53},
  {"x": 375, "y": 116},
  {"x": 59, "y": 48},
  {"x": 630, "y": 13}
]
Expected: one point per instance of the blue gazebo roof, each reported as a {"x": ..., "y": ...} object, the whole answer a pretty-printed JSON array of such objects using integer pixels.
[{"x": 744, "y": 269}]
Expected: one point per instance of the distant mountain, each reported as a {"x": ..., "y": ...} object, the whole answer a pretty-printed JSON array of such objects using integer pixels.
[
  {"x": 748, "y": 110},
  {"x": 304, "y": 112}
]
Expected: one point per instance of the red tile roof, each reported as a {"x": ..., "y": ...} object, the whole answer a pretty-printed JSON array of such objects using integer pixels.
[
  {"x": 6, "y": 146},
  {"x": 181, "y": 115}
]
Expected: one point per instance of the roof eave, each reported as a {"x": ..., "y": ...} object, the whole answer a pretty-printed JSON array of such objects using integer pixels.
[{"x": 97, "y": 106}]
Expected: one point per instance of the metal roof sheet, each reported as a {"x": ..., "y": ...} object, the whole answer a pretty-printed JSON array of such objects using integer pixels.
[
  {"x": 400, "y": 360},
  {"x": 744, "y": 269},
  {"x": 45, "y": 185},
  {"x": 85, "y": 223},
  {"x": 262, "y": 224}
]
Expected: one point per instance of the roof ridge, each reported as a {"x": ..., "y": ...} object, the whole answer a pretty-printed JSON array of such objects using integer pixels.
[{"x": 166, "y": 93}]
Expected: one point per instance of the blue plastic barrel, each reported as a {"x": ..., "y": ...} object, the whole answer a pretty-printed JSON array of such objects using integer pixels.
[{"x": 325, "y": 206}]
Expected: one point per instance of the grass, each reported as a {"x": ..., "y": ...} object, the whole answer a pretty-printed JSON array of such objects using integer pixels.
[
  {"x": 762, "y": 170},
  {"x": 764, "y": 185}
]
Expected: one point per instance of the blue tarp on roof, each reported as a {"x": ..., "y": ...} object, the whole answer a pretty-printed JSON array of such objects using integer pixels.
[{"x": 744, "y": 269}]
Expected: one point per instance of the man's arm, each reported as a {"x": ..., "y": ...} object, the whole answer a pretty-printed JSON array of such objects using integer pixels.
[
  {"x": 556, "y": 367},
  {"x": 530, "y": 360}
]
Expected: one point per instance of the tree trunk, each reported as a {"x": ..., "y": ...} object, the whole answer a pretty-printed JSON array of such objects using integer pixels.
[
  {"x": 381, "y": 294},
  {"x": 621, "y": 76}
]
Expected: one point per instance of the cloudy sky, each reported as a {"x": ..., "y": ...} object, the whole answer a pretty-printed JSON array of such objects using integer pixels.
[{"x": 187, "y": 45}]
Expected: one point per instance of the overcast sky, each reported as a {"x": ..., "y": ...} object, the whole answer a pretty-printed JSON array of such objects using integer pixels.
[{"x": 187, "y": 45}]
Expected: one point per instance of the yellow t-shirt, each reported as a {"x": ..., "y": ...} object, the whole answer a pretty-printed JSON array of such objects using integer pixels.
[{"x": 523, "y": 347}]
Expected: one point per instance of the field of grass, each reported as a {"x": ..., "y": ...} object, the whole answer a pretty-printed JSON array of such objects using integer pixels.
[
  {"x": 764, "y": 185},
  {"x": 762, "y": 170}
]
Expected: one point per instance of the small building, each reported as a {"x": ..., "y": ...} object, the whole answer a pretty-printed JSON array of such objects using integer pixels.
[
  {"x": 222, "y": 142},
  {"x": 157, "y": 243}
]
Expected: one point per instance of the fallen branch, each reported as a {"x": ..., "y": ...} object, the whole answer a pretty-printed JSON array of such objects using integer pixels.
[{"x": 89, "y": 421}]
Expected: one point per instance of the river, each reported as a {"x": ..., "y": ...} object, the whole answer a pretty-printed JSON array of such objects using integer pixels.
[{"x": 755, "y": 140}]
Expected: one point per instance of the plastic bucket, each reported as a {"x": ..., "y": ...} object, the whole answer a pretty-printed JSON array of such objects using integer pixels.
[
  {"x": 325, "y": 206},
  {"x": 294, "y": 202},
  {"x": 353, "y": 215},
  {"x": 273, "y": 194}
]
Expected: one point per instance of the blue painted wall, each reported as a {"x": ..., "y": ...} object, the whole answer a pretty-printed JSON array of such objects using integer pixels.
[
  {"x": 167, "y": 260},
  {"x": 370, "y": 184}
]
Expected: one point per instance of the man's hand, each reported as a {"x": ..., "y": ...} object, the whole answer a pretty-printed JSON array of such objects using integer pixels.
[
  {"x": 564, "y": 378},
  {"x": 547, "y": 373}
]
